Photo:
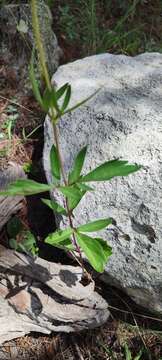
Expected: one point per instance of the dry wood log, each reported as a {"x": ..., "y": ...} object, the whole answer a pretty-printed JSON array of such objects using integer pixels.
[
  {"x": 9, "y": 205},
  {"x": 39, "y": 296}
]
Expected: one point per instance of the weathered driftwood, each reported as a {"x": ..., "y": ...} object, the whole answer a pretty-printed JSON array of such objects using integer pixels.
[
  {"x": 39, "y": 296},
  {"x": 9, "y": 205}
]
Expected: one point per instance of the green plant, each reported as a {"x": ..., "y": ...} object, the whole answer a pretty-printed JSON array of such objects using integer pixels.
[
  {"x": 21, "y": 239},
  {"x": 128, "y": 355},
  {"x": 10, "y": 122},
  {"x": 68, "y": 22},
  {"x": 74, "y": 185}
]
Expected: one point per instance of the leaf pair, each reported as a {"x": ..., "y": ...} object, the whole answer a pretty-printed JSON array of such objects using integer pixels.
[
  {"x": 73, "y": 195},
  {"x": 104, "y": 172},
  {"x": 96, "y": 250},
  {"x": 51, "y": 96}
]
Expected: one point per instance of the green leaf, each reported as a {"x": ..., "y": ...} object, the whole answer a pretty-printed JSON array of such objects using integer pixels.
[
  {"x": 58, "y": 236},
  {"x": 138, "y": 356},
  {"x": 29, "y": 241},
  {"x": 55, "y": 163},
  {"x": 25, "y": 187},
  {"x": 96, "y": 253},
  {"x": 54, "y": 206},
  {"x": 50, "y": 100},
  {"x": 13, "y": 244},
  {"x": 33, "y": 80},
  {"x": 110, "y": 169},
  {"x": 84, "y": 187},
  {"x": 66, "y": 98},
  {"x": 73, "y": 194},
  {"x": 81, "y": 102},
  {"x": 107, "y": 249},
  {"x": 95, "y": 225},
  {"x": 46, "y": 99},
  {"x": 128, "y": 354},
  {"x": 61, "y": 91},
  {"x": 14, "y": 226},
  {"x": 65, "y": 245},
  {"x": 78, "y": 164}
]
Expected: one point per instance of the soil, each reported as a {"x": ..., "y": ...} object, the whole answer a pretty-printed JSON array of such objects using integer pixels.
[{"x": 129, "y": 324}]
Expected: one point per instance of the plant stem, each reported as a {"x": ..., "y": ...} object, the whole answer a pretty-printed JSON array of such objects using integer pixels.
[
  {"x": 56, "y": 138},
  {"x": 45, "y": 73},
  {"x": 39, "y": 43}
]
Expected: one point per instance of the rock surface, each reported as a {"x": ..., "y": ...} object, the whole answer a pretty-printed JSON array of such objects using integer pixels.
[
  {"x": 123, "y": 121},
  {"x": 17, "y": 38}
]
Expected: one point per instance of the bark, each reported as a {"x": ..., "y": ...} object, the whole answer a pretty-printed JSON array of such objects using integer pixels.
[
  {"x": 39, "y": 296},
  {"x": 9, "y": 205}
]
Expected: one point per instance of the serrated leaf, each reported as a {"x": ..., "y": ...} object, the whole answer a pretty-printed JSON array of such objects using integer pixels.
[
  {"x": 78, "y": 165},
  {"x": 95, "y": 225},
  {"x": 66, "y": 98},
  {"x": 58, "y": 236},
  {"x": 73, "y": 194},
  {"x": 110, "y": 169},
  {"x": 93, "y": 248},
  {"x": 25, "y": 187},
  {"x": 81, "y": 102},
  {"x": 34, "y": 82},
  {"x": 53, "y": 205},
  {"x": 61, "y": 91},
  {"x": 55, "y": 163}
]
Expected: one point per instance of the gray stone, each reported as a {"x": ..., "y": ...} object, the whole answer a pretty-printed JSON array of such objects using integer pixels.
[
  {"x": 123, "y": 121},
  {"x": 17, "y": 46}
]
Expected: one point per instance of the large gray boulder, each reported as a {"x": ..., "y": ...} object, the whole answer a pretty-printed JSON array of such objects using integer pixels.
[{"x": 123, "y": 121}]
